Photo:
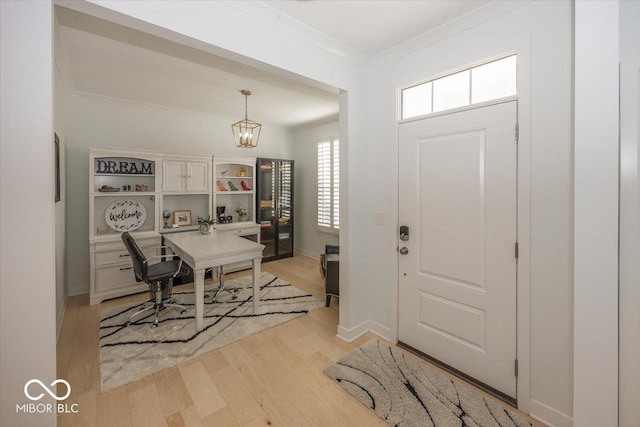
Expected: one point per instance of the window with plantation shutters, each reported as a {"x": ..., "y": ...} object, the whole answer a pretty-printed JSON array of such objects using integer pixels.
[
  {"x": 285, "y": 189},
  {"x": 329, "y": 185}
]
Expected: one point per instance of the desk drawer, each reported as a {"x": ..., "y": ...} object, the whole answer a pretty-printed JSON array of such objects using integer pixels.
[
  {"x": 111, "y": 278},
  {"x": 112, "y": 257},
  {"x": 117, "y": 245},
  {"x": 243, "y": 231},
  {"x": 120, "y": 254}
]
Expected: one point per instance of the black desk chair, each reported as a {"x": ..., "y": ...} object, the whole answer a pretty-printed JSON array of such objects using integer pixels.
[
  {"x": 158, "y": 276},
  {"x": 330, "y": 263}
]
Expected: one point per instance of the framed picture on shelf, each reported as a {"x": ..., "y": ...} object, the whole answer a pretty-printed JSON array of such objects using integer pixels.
[{"x": 182, "y": 218}]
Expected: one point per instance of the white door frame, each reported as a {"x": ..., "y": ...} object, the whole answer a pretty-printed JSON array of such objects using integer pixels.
[
  {"x": 522, "y": 47},
  {"x": 629, "y": 371}
]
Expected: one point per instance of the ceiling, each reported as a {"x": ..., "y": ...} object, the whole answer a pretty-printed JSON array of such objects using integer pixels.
[
  {"x": 373, "y": 27},
  {"x": 114, "y": 61}
]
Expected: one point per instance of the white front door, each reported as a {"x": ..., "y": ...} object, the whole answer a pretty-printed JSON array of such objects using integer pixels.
[{"x": 457, "y": 284}]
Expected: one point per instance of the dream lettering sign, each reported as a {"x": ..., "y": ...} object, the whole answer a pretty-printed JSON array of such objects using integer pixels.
[
  {"x": 124, "y": 166},
  {"x": 125, "y": 215}
]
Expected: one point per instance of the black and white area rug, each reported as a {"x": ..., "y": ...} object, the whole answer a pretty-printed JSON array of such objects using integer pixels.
[
  {"x": 405, "y": 392},
  {"x": 130, "y": 353}
]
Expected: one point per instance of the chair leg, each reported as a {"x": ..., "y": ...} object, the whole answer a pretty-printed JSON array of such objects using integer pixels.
[
  {"x": 173, "y": 305},
  {"x": 164, "y": 300},
  {"x": 142, "y": 310},
  {"x": 158, "y": 304},
  {"x": 167, "y": 292},
  {"x": 161, "y": 298},
  {"x": 328, "y": 301},
  {"x": 145, "y": 308},
  {"x": 221, "y": 287}
]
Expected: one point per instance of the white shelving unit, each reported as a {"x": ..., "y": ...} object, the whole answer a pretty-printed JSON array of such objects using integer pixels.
[
  {"x": 138, "y": 186},
  {"x": 229, "y": 173},
  {"x": 118, "y": 178}
]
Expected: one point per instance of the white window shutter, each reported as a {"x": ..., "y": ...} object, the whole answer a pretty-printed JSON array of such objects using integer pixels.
[{"x": 328, "y": 184}]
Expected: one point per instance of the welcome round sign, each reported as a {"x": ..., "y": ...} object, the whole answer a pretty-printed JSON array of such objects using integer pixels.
[{"x": 125, "y": 215}]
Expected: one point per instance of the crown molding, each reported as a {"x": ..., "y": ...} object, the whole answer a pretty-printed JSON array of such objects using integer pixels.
[
  {"x": 448, "y": 29},
  {"x": 271, "y": 16}
]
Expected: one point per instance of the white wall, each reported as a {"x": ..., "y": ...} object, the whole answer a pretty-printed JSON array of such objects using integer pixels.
[
  {"x": 210, "y": 26},
  {"x": 596, "y": 213},
  {"x": 27, "y": 266},
  {"x": 548, "y": 27},
  {"x": 103, "y": 122},
  {"x": 308, "y": 239},
  {"x": 629, "y": 30},
  {"x": 60, "y": 128}
]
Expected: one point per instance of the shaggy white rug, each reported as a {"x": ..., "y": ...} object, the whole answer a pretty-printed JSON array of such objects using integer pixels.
[
  {"x": 405, "y": 392},
  {"x": 130, "y": 353}
]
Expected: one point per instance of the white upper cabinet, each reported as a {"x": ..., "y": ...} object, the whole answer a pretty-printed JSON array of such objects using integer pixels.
[
  {"x": 193, "y": 176},
  {"x": 174, "y": 177},
  {"x": 199, "y": 176}
]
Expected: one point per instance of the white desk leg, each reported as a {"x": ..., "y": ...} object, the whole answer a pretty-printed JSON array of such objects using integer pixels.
[
  {"x": 256, "y": 284},
  {"x": 199, "y": 285}
]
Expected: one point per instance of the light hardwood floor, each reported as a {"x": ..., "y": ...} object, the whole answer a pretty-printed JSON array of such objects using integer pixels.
[{"x": 273, "y": 378}]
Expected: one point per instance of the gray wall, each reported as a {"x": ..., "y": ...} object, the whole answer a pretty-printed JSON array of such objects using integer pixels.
[
  {"x": 308, "y": 239},
  {"x": 101, "y": 122}
]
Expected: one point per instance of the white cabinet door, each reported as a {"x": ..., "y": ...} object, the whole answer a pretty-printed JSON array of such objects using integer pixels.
[
  {"x": 199, "y": 176},
  {"x": 174, "y": 175}
]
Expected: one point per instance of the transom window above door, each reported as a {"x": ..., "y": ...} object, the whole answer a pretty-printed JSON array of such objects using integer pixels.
[{"x": 487, "y": 82}]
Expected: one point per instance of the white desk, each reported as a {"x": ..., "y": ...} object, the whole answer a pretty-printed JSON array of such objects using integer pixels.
[{"x": 202, "y": 251}]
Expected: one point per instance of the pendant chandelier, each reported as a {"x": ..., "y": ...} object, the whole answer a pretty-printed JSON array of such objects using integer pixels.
[{"x": 246, "y": 132}]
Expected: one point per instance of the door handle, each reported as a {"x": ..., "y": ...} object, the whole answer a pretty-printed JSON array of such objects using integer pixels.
[{"x": 404, "y": 250}]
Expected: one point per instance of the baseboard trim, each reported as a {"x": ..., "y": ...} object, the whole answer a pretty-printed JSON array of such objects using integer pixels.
[
  {"x": 307, "y": 253},
  {"x": 357, "y": 331},
  {"x": 546, "y": 414},
  {"x": 76, "y": 292},
  {"x": 60, "y": 317}
]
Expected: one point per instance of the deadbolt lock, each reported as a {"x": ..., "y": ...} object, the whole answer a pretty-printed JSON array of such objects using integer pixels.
[{"x": 404, "y": 233}]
